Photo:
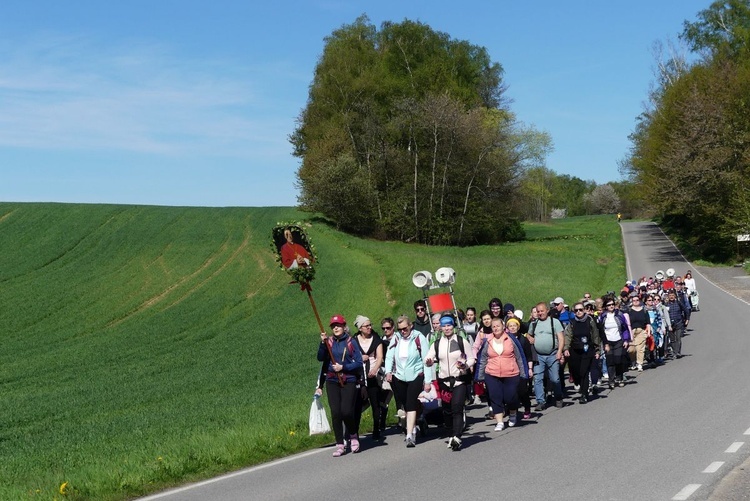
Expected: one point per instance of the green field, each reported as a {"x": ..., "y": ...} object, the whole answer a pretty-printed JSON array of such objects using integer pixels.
[{"x": 148, "y": 346}]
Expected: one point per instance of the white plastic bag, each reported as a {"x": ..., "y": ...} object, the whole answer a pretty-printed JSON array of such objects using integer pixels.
[{"x": 318, "y": 420}]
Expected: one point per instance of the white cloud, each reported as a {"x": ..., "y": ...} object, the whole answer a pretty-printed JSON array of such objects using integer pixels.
[{"x": 69, "y": 93}]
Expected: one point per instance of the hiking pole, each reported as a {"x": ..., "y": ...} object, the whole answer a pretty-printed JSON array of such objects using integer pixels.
[{"x": 306, "y": 287}]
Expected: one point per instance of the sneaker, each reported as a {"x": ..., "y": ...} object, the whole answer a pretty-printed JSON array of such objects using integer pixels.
[
  {"x": 339, "y": 450},
  {"x": 639, "y": 367},
  {"x": 477, "y": 400},
  {"x": 621, "y": 383},
  {"x": 605, "y": 377},
  {"x": 410, "y": 441},
  {"x": 595, "y": 390},
  {"x": 559, "y": 404},
  {"x": 539, "y": 407},
  {"x": 512, "y": 420},
  {"x": 576, "y": 387},
  {"x": 500, "y": 426},
  {"x": 611, "y": 386},
  {"x": 355, "y": 443},
  {"x": 583, "y": 400},
  {"x": 527, "y": 415},
  {"x": 450, "y": 442},
  {"x": 455, "y": 443}
]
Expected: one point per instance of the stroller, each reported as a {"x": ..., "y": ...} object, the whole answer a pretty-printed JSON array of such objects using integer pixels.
[{"x": 694, "y": 301}]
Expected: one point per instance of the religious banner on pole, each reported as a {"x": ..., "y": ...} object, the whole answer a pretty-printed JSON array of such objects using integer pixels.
[{"x": 296, "y": 255}]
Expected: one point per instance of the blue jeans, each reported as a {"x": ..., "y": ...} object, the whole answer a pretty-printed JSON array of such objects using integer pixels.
[{"x": 551, "y": 365}]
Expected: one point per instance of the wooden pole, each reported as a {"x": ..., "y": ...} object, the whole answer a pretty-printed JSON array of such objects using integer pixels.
[{"x": 306, "y": 286}]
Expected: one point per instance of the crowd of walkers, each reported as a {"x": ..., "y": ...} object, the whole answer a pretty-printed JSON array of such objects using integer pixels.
[{"x": 436, "y": 364}]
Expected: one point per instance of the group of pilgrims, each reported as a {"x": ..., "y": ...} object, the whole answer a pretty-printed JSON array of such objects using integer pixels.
[{"x": 439, "y": 363}]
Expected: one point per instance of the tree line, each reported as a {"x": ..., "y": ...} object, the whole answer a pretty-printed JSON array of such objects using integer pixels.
[
  {"x": 690, "y": 157},
  {"x": 407, "y": 135}
]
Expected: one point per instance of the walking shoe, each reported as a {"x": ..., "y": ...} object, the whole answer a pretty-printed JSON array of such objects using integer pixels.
[
  {"x": 595, "y": 390},
  {"x": 455, "y": 443},
  {"x": 605, "y": 377},
  {"x": 512, "y": 420},
  {"x": 576, "y": 387},
  {"x": 583, "y": 399},
  {"x": 539, "y": 407},
  {"x": 410, "y": 441},
  {"x": 500, "y": 426},
  {"x": 339, "y": 450},
  {"x": 559, "y": 404},
  {"x": 621, "y": 383},
  {"x": 450, "y": 442},
  {"x": 355, "y": 443},
  {"x": 611, "y": 386},
  {"x": 527, "y": 415},
  {"x": 639, "y": 367},
  {"x": 477, "y": 400}
]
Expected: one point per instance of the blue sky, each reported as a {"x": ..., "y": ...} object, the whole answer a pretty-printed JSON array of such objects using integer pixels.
[{"x": 190, "y": 102}]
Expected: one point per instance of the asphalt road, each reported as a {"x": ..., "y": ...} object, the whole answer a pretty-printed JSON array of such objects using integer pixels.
[{"x": 672, "y": 433}]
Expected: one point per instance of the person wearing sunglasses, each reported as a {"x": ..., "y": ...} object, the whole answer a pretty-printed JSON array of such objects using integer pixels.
[
  {"x": 614, "y": 331},
  {"x": 407, "y": 373},
  {"x": 371, "y": 348},
  {"x": 581, "y": 348},
  {"x": 386, "y": 393},
  {"x": 343, "y": 367},
  {"x": 422, "y": 321},
  {"x": 640, "y": 325}
]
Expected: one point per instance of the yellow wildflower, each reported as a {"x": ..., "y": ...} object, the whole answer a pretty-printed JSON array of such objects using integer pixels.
[{"x": 64, "y": 488}]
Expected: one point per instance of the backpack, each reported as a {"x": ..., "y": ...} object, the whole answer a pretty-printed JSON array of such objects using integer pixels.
[
  {"x": 532, "y": 330},
  {"x": 349, "y": 348}
]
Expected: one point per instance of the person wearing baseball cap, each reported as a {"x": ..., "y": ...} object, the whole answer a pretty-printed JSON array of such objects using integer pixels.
[{"x": 342, "y": 363}]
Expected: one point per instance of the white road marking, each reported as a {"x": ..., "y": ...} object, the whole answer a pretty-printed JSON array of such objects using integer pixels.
[
  {"x": 714, "y": 467},
  {"x": 734, "y": 447},
  {"x": 230, "y": 475},
  {"x": 686, "y": 492},
  {"x": 747, "y": 432}
]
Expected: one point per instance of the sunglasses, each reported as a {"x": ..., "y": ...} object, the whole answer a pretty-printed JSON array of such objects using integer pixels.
[
  {"x": 610, "y": 304},
  {"x": 386, "y": 328},
  {"x": 419, "y": 308},
  {"x": 577, "y": 310},
  {"x": 403, "y": 329}
]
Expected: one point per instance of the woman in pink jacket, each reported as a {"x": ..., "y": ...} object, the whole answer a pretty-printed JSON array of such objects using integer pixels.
[{"x": 501, "y": 365}]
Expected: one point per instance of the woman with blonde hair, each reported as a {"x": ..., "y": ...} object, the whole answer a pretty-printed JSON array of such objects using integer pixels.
[{"x": 406, "y": 372}]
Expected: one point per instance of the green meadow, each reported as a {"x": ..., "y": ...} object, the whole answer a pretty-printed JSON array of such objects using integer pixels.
[{"x": 144, "y": 347}]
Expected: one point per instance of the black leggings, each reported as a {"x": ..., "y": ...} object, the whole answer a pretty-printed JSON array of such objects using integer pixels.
[
  {"x": 342, "y": 400},
  {"x": 453, "y": 411},
  {"x": 407, "y": 393},
  {"x": 579, "y": 364},
  {"x": 615, "y": 360},
  {"x": 373, "y": 391}
]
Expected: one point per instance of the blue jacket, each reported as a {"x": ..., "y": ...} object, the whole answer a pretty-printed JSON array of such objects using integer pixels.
[{"x": 345, "y": 352}]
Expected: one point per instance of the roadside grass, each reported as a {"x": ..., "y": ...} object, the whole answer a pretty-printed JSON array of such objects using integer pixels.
[{"x": 145, "y": 347}]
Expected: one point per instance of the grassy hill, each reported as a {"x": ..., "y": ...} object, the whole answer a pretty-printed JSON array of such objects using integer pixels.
[{"x": 148, "y": 346}]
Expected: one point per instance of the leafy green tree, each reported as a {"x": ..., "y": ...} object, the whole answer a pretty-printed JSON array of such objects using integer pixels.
[{"x": 417, "y": 123}]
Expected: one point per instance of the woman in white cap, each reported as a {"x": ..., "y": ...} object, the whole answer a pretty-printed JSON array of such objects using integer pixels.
[
  {"x": 371, "y": 348},
  {"x": 343, "y": 367}
]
